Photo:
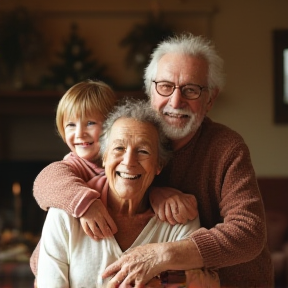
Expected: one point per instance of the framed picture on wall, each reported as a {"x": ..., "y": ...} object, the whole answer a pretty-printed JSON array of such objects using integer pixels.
[{"x": 280, "y": 38}]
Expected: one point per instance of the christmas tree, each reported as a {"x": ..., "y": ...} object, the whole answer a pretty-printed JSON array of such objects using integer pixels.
[{"x": 74, "y": 65}]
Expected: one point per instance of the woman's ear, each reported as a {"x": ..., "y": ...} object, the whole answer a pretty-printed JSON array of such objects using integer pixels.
[
  {"x": 159, "y": 169},
  {"x": 104, "y": 160}
]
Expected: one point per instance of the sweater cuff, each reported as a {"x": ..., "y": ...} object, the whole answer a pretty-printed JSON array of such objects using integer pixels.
[
  {"x": 207, "y": 247},
  {"x": 85, "y": 202}
]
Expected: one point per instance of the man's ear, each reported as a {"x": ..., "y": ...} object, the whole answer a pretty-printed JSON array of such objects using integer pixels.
[{"x": 212, "y": 97}]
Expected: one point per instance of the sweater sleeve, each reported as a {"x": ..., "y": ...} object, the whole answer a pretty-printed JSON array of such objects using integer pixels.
[
  {"x": 241, "y": 236},
  {"x": 53, "y": 263},
  {"x": 63, "y": 185}
]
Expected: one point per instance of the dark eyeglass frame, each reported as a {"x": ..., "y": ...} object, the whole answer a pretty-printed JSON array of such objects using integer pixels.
[{"x": 180, "y": 88}]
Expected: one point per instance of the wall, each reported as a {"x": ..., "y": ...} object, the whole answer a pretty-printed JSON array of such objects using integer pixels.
[{"x": 242, "y": 31}]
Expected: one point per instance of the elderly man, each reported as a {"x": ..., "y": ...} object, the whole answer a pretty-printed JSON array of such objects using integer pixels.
[{"x": 211, "y": 162}]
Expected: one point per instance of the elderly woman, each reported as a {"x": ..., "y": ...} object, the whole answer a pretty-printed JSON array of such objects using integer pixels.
[{"x": 134, "y": 150}]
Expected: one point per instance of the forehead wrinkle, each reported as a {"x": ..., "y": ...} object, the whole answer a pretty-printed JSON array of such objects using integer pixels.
[{"x": 139, "y": 139}]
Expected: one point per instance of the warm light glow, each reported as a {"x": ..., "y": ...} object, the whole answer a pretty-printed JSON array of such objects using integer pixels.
[
  {"x": 285, "y": 75},
  {"x": 16, "y": 188}
]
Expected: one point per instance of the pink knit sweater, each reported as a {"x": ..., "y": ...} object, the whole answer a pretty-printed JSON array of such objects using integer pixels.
[{"x": 216, "y": 167}]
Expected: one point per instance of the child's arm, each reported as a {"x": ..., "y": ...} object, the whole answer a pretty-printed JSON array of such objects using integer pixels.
[
  {"x": 63, "y": 185},
  {"x": 173, "y": 206},
  {"x": 72, "y": 185}
]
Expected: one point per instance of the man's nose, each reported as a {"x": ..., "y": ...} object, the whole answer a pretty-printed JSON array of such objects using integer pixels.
[{"x": 176, "y": 99}]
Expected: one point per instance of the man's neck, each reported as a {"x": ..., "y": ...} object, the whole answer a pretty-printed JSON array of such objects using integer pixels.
[{"x": 179, "y": 143}]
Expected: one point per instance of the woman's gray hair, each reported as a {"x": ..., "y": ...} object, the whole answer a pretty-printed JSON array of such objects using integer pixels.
[
  {"x": 141, "y": 111},
  {"x": 187, "y": 44}
]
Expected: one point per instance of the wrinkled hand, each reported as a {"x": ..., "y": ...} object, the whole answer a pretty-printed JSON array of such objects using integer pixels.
[
  {"x": 173, "y": 206},
  {"x": 135, "y": 267},
  {"x": 97, "y": 223}
]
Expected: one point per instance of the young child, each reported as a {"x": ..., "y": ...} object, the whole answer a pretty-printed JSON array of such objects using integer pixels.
[
  {"x": 75, "y": 183},
  {"x": 79, "y": 117}
]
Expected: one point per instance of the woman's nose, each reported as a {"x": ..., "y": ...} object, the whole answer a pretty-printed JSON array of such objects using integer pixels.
[{"x": 129, "y": 158}]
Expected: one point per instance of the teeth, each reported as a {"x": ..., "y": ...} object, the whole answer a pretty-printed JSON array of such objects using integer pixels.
[
  {"x": 175, "y": 115},
  {"x": 84, "y": 144},
  {"x": 128, "y": 176}
]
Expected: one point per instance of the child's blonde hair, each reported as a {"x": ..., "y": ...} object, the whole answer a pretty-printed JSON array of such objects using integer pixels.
[{"x": 85, "y": 99}]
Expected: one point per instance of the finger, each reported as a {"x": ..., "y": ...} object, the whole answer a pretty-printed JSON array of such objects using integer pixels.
[
  {"x": 111, "y": 224},
  {"x": 161, "y": 213},
  {"x": 139, "y": 284},
  {"x": 169, "y": 214},
  {"x": 86, "y": 228},
  {"x": 190, "y": 212},
  {"x": 192, "y": 207},
  {"x": 179, "y": 212},
  {"x": 104, "y": 230},
  {"x": 112, "y": 269},
  {"x": 106, "y": 225}
]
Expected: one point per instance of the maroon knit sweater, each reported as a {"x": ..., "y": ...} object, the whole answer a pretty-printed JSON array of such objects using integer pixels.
[{"x": 216, "y": 167}]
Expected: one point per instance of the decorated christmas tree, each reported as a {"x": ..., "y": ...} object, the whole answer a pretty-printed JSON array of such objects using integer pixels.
[{"x": 74, "y": 65}]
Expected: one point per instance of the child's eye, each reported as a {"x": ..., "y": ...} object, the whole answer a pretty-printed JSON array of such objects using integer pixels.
[
  {"x": 70, "y": 125},
  {"x": 91, "y": 123}
]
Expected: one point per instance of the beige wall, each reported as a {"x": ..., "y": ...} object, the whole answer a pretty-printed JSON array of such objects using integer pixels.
[{"x": 242, "y": 31}]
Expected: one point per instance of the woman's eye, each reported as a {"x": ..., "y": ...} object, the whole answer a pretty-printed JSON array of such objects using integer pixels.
[
  {"x": 119, "y": 148},
  {"x": 143, "y": 151}
]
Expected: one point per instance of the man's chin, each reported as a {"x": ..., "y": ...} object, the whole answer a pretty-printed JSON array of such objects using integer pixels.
[{"x": 174, "y": 132}]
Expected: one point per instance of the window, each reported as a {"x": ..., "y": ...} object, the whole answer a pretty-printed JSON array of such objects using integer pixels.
[{"x": 280, "y": 76}]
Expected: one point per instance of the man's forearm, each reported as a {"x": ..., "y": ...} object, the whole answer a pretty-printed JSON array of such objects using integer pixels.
[{"x": 181, "y": 255}]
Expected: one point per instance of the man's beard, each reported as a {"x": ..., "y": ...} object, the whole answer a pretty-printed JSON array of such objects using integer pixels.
[{"x": 175, "y": 132}]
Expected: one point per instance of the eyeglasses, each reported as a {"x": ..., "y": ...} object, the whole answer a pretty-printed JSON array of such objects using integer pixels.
[{"x": 188, "y": 91}]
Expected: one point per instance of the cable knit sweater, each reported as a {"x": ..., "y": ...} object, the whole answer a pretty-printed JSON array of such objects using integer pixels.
[{"x": 216, "y": 167}]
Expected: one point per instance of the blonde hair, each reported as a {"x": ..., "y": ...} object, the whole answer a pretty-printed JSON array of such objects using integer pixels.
[{"x": 86, "y": 98}]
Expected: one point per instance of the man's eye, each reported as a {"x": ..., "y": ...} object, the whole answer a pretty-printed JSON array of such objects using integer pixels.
[
  {"x": 190, "y": 89},
  {"x": 165, "y": 86}
]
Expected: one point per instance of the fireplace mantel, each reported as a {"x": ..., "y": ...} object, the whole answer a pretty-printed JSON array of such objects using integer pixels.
[
  {"x": 15, "y": 106},
  {"x": 40, "y": 102}
]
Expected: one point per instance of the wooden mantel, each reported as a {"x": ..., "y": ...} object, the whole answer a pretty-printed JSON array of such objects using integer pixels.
[
  {"x": 14, "y": 105},
  {"x": 40, "y": 102}
]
